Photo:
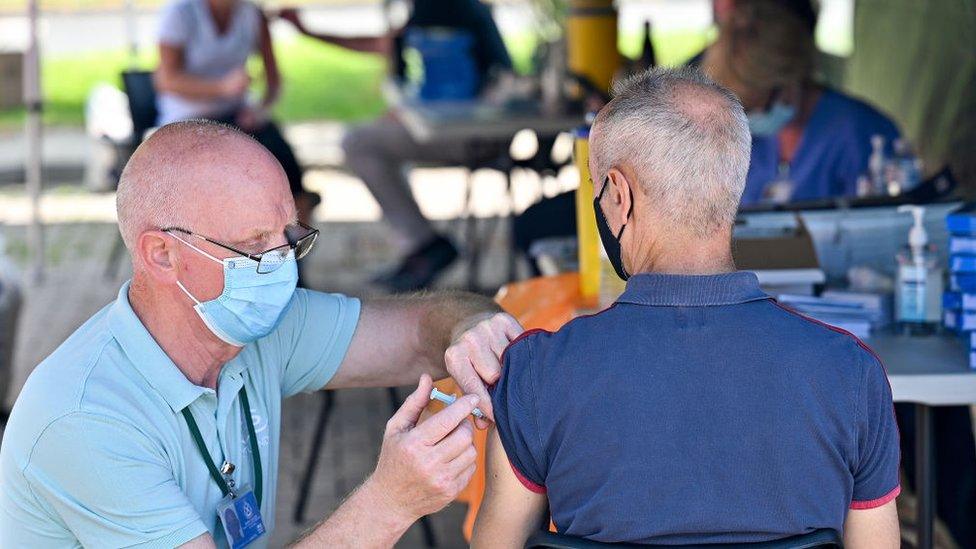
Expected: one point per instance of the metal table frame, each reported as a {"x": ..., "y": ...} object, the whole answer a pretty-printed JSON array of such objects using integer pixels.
[
  {"x": 927, "y": 372},
  {"x": 481, "y": 126}
]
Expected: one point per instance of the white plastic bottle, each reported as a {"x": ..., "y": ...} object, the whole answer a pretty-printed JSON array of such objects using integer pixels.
[
  {"x": 876, "y": 165},
  {"x": 918, "y": 291}
]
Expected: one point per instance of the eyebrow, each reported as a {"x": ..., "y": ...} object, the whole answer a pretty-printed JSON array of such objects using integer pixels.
[{"x": 256, "y": 237}]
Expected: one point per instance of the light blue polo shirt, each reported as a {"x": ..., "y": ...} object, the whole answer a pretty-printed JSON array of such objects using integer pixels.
[{"x": 97, "y": 453}]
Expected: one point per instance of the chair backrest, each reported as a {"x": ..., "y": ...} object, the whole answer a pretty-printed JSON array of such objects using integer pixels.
[
  {"x": 10, "y": 307},
  {"x": 817, "y": 538},
  {"x": 142, "y": 101}
]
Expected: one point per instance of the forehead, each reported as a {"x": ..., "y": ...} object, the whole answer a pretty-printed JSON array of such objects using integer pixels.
[{"x": 236, "y": 193}]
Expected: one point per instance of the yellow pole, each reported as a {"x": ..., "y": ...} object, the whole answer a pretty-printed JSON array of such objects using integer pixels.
[
  {"x": 591, "y": 41},
  {"x": 591, "y": 47},
  {"x": 586, "y": 233}
]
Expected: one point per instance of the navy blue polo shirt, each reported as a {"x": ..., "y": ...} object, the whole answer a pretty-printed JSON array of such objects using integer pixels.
[{"x": 698, "y": 410}]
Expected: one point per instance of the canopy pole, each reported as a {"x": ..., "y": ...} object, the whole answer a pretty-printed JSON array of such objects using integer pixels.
[
  {"x": 32, "y": 99},
  {"x": 131, "y": 29}
]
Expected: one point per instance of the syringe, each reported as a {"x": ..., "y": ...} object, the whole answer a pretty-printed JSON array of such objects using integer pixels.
[{"x": 449, "y": 399}]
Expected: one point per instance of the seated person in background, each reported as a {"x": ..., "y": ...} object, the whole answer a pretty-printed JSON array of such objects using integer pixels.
[
  {"x": 377, "y": 152},
  {"x": 808, "y": 141},
  {"x": 204, "y": 46},
  {"x": 695, "y": 410},
  {"x": 371, "y": 44}
]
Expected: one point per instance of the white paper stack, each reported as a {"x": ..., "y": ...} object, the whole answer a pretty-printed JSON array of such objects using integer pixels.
[{"x": 857, "y": 313}]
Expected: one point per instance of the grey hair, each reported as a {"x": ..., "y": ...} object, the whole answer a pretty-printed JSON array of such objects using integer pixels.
[
  {"x": 150, "y": 191},
  {"x": 687, "y": 140}
]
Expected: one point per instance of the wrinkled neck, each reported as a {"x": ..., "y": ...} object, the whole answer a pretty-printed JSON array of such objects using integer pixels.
[
  {"x": 681, "y": 254},
  {"x": 169, "y": 317}
]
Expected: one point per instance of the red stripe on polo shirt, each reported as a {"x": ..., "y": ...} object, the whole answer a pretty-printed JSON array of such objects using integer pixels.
[
  {"x": 533, "y": 487},
  {"x": 839, "y": 331},
  {"x": 871, "y": 504},
  {"x": 893, "y": 493}
]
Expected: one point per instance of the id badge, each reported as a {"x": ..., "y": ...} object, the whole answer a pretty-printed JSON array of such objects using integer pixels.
[{"x": 241, "y": 518}]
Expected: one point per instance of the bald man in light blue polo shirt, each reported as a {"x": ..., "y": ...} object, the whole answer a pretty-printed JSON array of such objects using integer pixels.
[{"x": 165, "y": 407}]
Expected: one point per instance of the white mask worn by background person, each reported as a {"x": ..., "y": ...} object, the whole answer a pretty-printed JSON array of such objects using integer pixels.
[{"x": 770, "y": 122}]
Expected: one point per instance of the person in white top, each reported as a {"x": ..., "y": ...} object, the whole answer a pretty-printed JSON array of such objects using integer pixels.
[{"x": 204, "y": 46}]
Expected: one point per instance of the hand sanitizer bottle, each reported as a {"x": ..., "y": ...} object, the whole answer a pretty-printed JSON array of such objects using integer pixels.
[
  {"x": 919, "y": 286},
  {"x": 876, "y": 165}
]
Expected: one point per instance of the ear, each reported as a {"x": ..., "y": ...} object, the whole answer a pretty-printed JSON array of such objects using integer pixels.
[
  {"x": 156, "y": 251},
  {"x": 621, "y": 195}
]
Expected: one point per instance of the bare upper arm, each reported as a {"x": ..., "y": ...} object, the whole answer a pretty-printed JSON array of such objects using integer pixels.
[
  {"x": 872, "y": 528},
  {"x": 381, "y": 340},
  {"x": 203, "y": 541},
  {"x": 170, "y": 64},
  {"x": 510, "y": 512},
  {"x": 266, "y": 47}
]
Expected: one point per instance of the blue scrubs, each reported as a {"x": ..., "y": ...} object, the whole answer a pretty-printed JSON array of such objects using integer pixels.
[{"x": 833, "y": 151}]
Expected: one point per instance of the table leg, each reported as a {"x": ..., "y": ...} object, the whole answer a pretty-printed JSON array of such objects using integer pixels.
[
  {"x": 472, "y": 245},
  {"x": 924, "y": 475}
]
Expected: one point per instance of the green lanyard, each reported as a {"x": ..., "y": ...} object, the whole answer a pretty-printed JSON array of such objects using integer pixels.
[{"x": 214, "y": 472}]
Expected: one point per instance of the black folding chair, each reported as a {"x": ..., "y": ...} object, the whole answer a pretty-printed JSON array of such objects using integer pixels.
[
  {"x": 818, "y": 538},
  {"x": 142, "y": 103},
  {"x": 141, "y": 93},
  {"x": 11, "y": 300}
]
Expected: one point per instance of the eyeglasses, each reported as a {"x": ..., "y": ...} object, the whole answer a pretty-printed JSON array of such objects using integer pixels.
[{"x": 300, "y": 238}]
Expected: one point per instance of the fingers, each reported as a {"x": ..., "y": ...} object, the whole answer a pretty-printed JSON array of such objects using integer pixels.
[
  {"x": 511, "y": 326},
  {"x": 453, "y": 445},
  {"x": 498, "y": 341},
  {"x": 464, "y": 459},
  {"x": 474, "y": 360},
  {"x": 441, "y": 424},
  {"x": 466, "y": 375},
  {"x": 465, "y": 477},
  {"x": 407, "y": 416},
  {"x": 463, "y": 468}
]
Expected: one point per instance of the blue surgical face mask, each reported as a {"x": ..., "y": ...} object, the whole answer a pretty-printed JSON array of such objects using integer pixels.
[
  {"x": 770, "y": 122},
  {"x": 252, "y": 304}
]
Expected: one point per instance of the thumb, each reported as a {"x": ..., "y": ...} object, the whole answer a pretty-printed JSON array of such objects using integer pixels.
[{"x": 407, "y": 416}]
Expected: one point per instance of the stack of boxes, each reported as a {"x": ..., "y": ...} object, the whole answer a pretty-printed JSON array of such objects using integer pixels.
[{"x": 959, "y": 303}]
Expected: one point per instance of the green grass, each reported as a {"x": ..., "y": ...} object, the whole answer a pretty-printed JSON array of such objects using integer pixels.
[
  {"x": 320, "y": 81},
  {"x": 20, "y": 6}
]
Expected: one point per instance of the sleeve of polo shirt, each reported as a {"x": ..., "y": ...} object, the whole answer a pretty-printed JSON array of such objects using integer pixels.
[
  {"x": 110, "y": 484},
  {"x": 513, "y": 401},
  {"x": 174, "y": 24},
  {"x": 876, "y": 479},
  {"x": 315, "y": 335}
]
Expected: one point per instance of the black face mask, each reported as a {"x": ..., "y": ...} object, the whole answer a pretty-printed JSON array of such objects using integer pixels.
[{"x": 611, "y": 243}]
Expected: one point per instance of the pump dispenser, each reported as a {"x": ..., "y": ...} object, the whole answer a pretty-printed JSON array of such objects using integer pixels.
[
  {"x": 918, "y": 239},
  {"x": 919, "y": 287}
]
